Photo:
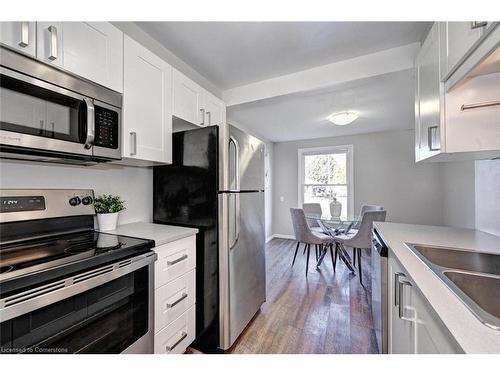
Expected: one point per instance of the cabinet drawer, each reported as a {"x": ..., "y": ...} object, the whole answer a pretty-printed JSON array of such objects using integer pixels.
[
  {"x": 175, "y": 338},
  {"x": 174, "y": 298},
  {"x": 174, "y": 260}
]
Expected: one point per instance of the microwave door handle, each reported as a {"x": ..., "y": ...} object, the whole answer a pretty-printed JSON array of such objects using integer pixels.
[{"x": 89, "y": 141}]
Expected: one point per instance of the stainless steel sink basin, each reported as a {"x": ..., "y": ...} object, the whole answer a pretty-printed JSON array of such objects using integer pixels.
[
  {"x": 461, "y": 259},
  {"x": 483, "y": 291},
  {"x": 474, "y": 277}
]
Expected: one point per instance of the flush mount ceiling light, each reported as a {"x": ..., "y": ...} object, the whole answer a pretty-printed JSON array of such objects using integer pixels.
[{"x": 343, "y": 118}]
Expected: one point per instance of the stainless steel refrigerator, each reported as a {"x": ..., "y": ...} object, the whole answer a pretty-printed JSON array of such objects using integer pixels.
[{"x": 216, "y": 184}]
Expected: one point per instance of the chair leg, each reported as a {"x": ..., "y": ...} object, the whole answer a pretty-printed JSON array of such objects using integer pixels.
[
  {"x": 305, "y": 248},
  {"x": 359, "y": 267},
  {"x": 354, "y": 254},
  {"x": 316, "y": 250},
  {"x": 336, "y": 255},
  {"x": 295, "y": 256},
  {"x": 307, "y": 261},
  {"x": 333, "y": 258}
]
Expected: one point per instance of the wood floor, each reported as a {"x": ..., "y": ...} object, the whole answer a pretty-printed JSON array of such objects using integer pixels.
[{"x": 323, "y": 313}]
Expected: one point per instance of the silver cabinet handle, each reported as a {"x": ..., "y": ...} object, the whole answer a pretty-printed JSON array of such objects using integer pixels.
[
  {"x": 202, "y": 110},
  {"x": 431, "y": 132},
  {"x": 133, "y": 145},
  {"x": 237, "y": 213},
  {"x": 182, "y": 297},
  {"x": 172, "y": 347},
  {"x": 401, "y": 296},
  {"x": 89, "y": 141},
  {"x": 397, "y": 275},
  {"x": 25, "y": 34},
  {"x": 209, "y": 114},
  {"x": 477, "y": 24},
  {"x": 180, "y": 259},
  {"x": 466, "y": 107},
  {"x": 53, "y": 42}
]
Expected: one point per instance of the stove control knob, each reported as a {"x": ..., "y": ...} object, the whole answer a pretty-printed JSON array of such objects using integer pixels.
[
  {"x": 87, "y": 200},
  {"x": 75, "y": 201}
]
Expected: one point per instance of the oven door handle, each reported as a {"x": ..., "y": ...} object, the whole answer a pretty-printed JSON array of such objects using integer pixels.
[
  {"x": 33, "y": 299},
  {"x": 89, "y": 140}
]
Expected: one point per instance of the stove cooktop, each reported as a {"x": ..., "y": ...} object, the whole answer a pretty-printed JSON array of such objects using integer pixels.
[{"x": 32, "y": 257}]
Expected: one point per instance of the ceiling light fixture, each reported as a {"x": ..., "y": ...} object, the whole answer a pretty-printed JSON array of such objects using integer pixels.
[{"x": 343, "y": 118}]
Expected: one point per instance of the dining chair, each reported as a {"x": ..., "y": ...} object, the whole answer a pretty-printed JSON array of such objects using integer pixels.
[
  {"x": 364, "y": 208},
  {"x": 313, "y": 209},
  {"x": 362, "y": 239},
  {"x": 304, "y": 234}
]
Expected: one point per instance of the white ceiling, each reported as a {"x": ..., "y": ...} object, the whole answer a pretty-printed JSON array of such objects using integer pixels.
[
  {"x": 384, "y": 102},
  {"x": 231, "y": 54}
]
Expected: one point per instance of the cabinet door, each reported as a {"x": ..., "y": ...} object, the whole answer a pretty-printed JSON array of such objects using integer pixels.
[
  {"x": 49, "y": 48},
  {"x": 94, "y": 50},
  {"x": 147, "y": 105},
  {"x": 401, "y": 329},
  {"x": 215, "y": 110},
  {"x": 20, "y": 36},
  {"x": 460, "y": 37},
  {"x": 188, "y": 99},
  {"x": 428, "y": 97},
  {"x": 431, "y": 337}
]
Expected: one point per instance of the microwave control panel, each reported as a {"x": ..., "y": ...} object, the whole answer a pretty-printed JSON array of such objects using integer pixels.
[{"x": 106, "y": 127}]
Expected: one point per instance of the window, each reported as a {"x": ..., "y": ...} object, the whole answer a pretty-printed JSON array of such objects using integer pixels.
[{"x": 325, "y": 174}]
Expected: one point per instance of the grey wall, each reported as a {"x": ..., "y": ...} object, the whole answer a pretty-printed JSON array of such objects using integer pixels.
[
  {"x": 488, "y": 196},
  {"x": 135, "y": 185},
  {"x": 458, "y": 194},
  {"x": 385, "y": 173}
]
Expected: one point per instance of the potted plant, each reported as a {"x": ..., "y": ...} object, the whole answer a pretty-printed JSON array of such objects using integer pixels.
[{"x": 107, "y": 208}]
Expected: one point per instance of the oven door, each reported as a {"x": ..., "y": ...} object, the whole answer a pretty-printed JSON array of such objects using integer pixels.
[
  {"x": 37, "y": 115},
  {"x": 104, "y": 310}
]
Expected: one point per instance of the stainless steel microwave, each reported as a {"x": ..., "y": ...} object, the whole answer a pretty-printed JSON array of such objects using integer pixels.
[{"x": 49, "y": 115}]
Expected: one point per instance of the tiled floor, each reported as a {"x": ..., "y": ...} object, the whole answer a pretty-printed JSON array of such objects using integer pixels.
[{"x": 324, "y": 313}]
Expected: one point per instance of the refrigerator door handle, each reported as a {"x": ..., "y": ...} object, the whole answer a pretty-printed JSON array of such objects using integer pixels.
[{"x": 233, "y": 141}]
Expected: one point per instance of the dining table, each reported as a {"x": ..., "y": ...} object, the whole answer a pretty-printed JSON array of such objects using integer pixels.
[{"x": 334, "y": 226}]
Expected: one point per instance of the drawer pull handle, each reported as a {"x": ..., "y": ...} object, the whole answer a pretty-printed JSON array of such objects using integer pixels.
[
  {"x": 180, "y": 259},
  {"x": 183, "y": 296},
  {"x": 172, "y": 347}
]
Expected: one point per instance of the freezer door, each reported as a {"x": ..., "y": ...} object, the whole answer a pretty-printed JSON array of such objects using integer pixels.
[
  {"x": 243, "y": 160},
  {"x": 241, "y": 262}
]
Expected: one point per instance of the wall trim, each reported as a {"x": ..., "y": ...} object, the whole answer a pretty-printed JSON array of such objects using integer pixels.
[{"x": 284, "y": 236}]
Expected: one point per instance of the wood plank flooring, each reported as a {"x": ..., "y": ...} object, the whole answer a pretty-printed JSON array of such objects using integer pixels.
[{"x": 324, "y": 313}]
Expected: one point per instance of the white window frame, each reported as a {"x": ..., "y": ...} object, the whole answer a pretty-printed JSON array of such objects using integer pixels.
[{"x": 349, "y": 150}]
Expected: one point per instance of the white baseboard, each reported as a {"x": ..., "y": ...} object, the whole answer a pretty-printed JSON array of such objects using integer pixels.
[
  {"x": 285, "y": 236},
  {"x": 269, "y": 238}
]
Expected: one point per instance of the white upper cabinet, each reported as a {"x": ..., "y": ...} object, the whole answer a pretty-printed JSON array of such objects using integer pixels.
[
  {"x": 188, "y": 99},
  {"x": 147, "y": 106},
  {"x": 457, "y": 39},
  {"x": 94, "y": 50},
  {"x": 20, "y": 36},
  {"x": 194, "y": 104},
  {"x": 428, "y": 97},
  {"x": 215, "y": 110},
  {"x": 49, "y": 46}
]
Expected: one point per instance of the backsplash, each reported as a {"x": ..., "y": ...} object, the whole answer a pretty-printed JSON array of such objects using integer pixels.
[
  {"x": 135, "y": 185},
  {"x": 488, "y": 196}
]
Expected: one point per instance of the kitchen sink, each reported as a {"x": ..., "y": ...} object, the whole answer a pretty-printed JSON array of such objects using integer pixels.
[
  {"x": 460, "y": 259},
  {"x": 474, "y": 277}
]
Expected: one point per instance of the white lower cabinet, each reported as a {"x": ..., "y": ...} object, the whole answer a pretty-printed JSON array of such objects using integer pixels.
[
  {"x": 176, "y": 337},
  {"x": 175, "y": 296},
  {"x": 414, "y": 327}
]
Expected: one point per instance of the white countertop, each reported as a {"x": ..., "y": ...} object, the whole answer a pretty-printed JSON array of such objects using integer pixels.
[
  {"x": 159, "y": 233},
  {"x": 469, "y": 332}
]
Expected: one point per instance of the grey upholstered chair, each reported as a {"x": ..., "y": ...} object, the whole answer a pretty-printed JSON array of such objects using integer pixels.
[
  {"x": 313, "y": 209},
  {"x": 364, "y": 208},
  {"x": 304, "y": 234},
  {"x": 362, "y": 239}
]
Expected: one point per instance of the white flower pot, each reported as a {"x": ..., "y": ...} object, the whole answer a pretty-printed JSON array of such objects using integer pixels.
[{"x": 107, "y": 221}]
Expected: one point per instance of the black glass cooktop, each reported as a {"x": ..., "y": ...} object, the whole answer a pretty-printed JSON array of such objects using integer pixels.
[{"x": 28, "y": 257}]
